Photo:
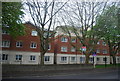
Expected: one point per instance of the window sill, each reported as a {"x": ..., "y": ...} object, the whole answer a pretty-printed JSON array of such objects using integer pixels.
[
  {"x": 32, "y": 61},
  {"x": 33, "y": 48},
  {"x": 19, "y": 47},
  {"x": 5, "y": 47},
  {"x": 18, "y": 60}
]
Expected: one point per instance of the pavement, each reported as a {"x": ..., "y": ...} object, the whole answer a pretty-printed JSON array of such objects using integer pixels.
[{"x": 58, "y": 72}]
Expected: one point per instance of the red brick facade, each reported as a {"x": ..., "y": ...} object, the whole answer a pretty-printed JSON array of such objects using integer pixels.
[
  {"x": 28, "y": 38},
  {"x": 55, "y": 46},
  {"x": 77, "y": 44}
]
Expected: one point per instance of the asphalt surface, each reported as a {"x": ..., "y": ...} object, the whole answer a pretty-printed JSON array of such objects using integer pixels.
[
  {"x": 97, "y": 75},
  {"x": 105, "y": 73}
]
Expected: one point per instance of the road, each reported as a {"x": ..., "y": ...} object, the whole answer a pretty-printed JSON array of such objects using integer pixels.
[{"x": 107, "y": 74}]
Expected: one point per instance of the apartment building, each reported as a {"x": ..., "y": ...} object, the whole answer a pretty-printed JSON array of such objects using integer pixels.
[{"x": 26, "y": 49}]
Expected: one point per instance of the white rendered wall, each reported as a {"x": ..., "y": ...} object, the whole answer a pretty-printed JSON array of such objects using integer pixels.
[{"x": 26, "y": 58}]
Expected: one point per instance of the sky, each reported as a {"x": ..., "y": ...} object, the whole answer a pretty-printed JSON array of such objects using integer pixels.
[
  {"x": 27, "y": 16},
  {"x": 60, "y": 0}
]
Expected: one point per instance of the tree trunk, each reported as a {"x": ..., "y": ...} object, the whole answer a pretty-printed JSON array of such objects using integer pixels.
[
  {"x": 114, "y": 59},
  {"x": 110, "y": 59},
  {"x": 110, "y": 52},
  {"x": 55, "y": 58},
  {"x": 42, "y": 58},
  {"x": 87, "y": 59},
  {"x": 55, "y": 53}
]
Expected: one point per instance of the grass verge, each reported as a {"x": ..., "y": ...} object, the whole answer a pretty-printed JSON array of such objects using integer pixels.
[{"x": 107, "y": 65}]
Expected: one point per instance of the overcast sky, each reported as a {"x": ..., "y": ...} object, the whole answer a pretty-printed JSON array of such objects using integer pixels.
[{"x": 27, "y": 16}]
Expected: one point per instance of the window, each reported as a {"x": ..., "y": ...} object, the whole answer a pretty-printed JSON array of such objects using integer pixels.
[
  {"x": 72, "y": 49},
  {"x": 19, "y": 57},
  {"x": 5, "y": 43},
  {"x": 91, "y": 59},
  {"x": 49, "y": 46},
  {"x": 104, "y": 52},
  {"x": 4, "y": 32},
  {"x": 117, "y": 53},
  {"x": 63, "y": 58},
  {"x": 32, "y": 57},
  {"x": 98, "y": 59},
  {"x": 82, "y": 59},
  {"x": 93, "y": 42},
  {"x": 103, "y": 43},
  {"x": 64, "y": 39},
  {"x": 98, "y": 42},
  {"x": 118, "y": 59},
  {"x": 81, "y": 48},
  {"x": 72, "y": 59},
  {"x": 34, "y": 33},
  {"x": 33, "y": 45},
  {"x": 18, "y": 44},
  {"x": 105, "y": 59},
  {"x": 63, "y": 49},
  {"x": 98, "y": 51},
  {"x": 73, "y": 40},
  {"x": 4, "y": 56},
  {"x": 47, "y": 58},
  {"x": 47, "y": 33}
]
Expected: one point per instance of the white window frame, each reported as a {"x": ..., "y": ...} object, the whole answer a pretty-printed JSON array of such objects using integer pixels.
[
  {"x": 46, "y": 33},
  {"x": 4, "y": 32},
  {"x": 34, "y": 33},
  {"x": 73, "y": 59},
  {"x": 46, "y": 58},
  {"x": 33, "y": 45},
  {"x": 103, "y": 43},
  {"x": 104, "y": 59},
  {"x": 19, "y": 44},
  {"x": 4, "y": 56},
  {"x": 6, "y": 43},
  {"x": 117, "y": 53},
  {"x": 98, "y": 51},
  {"x": 63, "y": 49},
  {"x": 98, "y": 42},
  {"x": 73, "y": 40},
  {"x": 63, "y": 58},
  {"x": 18, "y": 57},
  {"x": 32, "y": 57},
  {"x": 98, "y": 59},
  {"x": 73, "y": 49},
  {"x": 91, "y": 59},
  {"x": 118, "y": 59},
  {"x": 64, "y": 39},
  {"x": 104, "y": 51},
  {"x": 49, "y": 47},
  {"x": 82, "y": 59}
]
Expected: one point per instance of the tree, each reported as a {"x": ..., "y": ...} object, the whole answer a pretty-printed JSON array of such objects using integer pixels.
[
  {"x": 11, "y": 18},
  {"x": 81, "y": 17},
  {"x": 107, "y": 28},
  {"x": 42, "y": 14}
]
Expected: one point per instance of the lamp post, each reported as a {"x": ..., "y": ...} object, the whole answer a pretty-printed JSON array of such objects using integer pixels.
[
  {"x": 83, "y": 49},
  {"x": 76, "y": 55},
  {"x": 82, "y": 56},
  {"x": 76, "y": 50},
  {"x": 94, "y": 59}
]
